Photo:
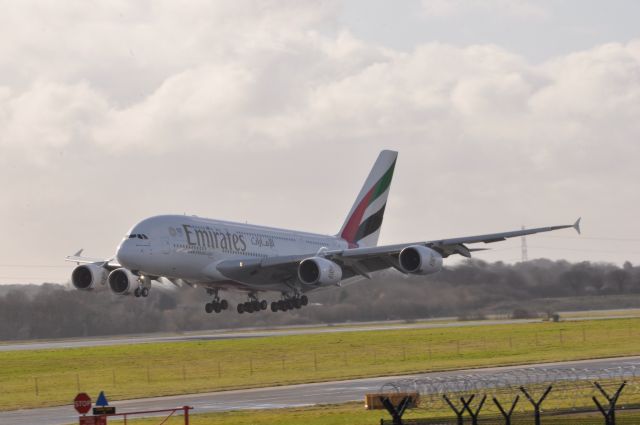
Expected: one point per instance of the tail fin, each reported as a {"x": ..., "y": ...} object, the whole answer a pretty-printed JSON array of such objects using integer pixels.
[{"x": 362, "y": 226}]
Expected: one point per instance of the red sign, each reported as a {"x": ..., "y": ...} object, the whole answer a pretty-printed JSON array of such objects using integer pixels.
[
  {"x": 82, "y": 403},
  {"x": 93, "y": 420}
]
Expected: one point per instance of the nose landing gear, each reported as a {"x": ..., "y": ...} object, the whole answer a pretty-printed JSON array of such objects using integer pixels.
[{"x": 143, "y": 289}]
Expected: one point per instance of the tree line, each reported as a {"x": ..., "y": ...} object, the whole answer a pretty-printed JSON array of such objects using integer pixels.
[{"x": 471, "y": 289}]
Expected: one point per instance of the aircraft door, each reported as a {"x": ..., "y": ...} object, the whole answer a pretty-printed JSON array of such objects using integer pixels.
[{"x": 165, "y": 246}]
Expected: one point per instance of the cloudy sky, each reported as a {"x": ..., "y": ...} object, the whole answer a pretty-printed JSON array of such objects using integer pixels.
[{"x": 505, "y": 113}]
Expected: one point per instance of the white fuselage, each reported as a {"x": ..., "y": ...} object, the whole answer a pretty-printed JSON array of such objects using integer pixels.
[{"x": 189, "y": 247}]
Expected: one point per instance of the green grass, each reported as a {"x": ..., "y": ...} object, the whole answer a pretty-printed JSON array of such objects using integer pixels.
[{"x": 145, "y": 370}]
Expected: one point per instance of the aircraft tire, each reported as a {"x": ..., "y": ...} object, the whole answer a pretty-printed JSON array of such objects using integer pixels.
[
  {"x": 240, "y": 308},
  {"x": 263, "y": 305},
  {"x": 224, "y": 304},
  {"x": 248, "y": 307},
  {"x": 304, "y": 300},
  {"x": 217, "y": 308},
  {"x": 144, "y": 292},
  {"x": 281, "y": 305},
  {"x": 274, "y": 306},
  {"x": 296, "y": 303},
  {"x": 289, "y": 304},
  {"x": 137, "y": 292},
  {"x": 208, "y": 307}
]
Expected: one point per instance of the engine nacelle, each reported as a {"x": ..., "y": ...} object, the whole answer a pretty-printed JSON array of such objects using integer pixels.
[
  {"x": 122, "y": 281},
  {"x": 418, "y": 259},
  {"x": 88, "y": 277},
  {"x": 318, "y": 271}
]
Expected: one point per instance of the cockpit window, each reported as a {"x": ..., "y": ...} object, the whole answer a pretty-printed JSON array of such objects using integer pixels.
[{"x": 132, "y": 236}]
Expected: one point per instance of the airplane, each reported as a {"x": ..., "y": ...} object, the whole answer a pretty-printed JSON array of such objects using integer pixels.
[{"x": 223, "y": 255}]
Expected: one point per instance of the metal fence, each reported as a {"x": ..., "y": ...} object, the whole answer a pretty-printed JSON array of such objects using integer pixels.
[{"x": 556, "y": 394}]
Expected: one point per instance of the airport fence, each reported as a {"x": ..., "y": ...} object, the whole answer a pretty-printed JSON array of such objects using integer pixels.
[{"x": 555, "y": 395}]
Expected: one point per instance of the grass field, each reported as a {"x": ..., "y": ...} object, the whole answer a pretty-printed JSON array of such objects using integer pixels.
[{"x": 53, "y": 377}]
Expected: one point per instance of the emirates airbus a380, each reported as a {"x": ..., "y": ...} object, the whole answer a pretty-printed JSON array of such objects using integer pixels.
[{"x": 221, "y": 255}]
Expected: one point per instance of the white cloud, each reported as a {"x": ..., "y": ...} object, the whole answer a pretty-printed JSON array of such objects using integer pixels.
[
  {"x": 521, "y": 9},
  {"x": 122, "y": 111}
]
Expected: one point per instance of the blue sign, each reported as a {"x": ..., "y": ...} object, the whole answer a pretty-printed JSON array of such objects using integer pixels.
[{"x": 102, "y": 400}]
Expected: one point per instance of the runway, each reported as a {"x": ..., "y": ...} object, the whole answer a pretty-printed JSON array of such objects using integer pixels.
[
  {"x": 252, "y": 333},
  {"x": 263, "y": 332},
  {"x": 280, "y": 397}
]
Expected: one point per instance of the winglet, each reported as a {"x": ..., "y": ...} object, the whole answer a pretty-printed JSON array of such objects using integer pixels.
[
  {"x": 79, "y": 253},
  {"x": 576, "y": 225}
]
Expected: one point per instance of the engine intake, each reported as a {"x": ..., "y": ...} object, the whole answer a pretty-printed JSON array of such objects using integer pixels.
[
  {"x": 122, "y": 281},
  {"x": 88, "y": 277},
  {"x": 418, "y": 259},
  {"x": 318, "y": 271}
]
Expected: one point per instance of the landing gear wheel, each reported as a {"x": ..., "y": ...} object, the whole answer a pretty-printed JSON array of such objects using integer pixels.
[
  {"x": 208, "y": 307},
  {"x": 281, "y": 305},
  {"x": 248, "y": 307},
  {"x": 304, "y": 300},
  {"x": 144, "y": 292},
  {"x": 289, "y": 304},
  {"x": 274, "y": 306},
  {"x": 263, "y": 305},
  {"x": 297, "y": 303},
  {"x": 137, "y": 292},
  {"x": 216, "y": 307},
  {"x": 255, "y": 306},
  {"x": 224, "y": 304},
  {"x": 240, "y": 308}
]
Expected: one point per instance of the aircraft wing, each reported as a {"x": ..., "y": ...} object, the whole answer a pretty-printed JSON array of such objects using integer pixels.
[
  {"x": 80, "y": 259},
  {"x": 361, "y": 261}
]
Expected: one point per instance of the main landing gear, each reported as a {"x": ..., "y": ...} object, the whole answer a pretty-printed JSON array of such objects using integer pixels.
[
  {"x": 289, "y": 303},
  {"x": 252, "y": 305},
  {"x": 217, "y": 304}
]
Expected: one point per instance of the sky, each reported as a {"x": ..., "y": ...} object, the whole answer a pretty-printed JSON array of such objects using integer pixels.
[{"x": 505, "y": 114}]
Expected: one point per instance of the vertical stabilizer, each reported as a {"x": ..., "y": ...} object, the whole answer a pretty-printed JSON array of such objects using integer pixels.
[{"x": 362, "y": 226}]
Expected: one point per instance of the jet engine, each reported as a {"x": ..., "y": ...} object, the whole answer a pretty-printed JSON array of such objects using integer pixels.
[
  {"x": 418, "y": 259},
  {"x": 88, "y": 277},
  {"x": 318, "y": 271},
  {"x": 122, "y": 281}
]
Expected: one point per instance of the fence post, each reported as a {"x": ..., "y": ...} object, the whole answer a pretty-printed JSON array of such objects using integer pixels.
[
  {"x": 536, "y": 404},
  {"x": 610, "y": 413},
  {"x": 186, "y": 414},
  {"x": 506, "y": 415},
  {"x": 460, "y": 412},
  {"x": 472, "y": 413}
]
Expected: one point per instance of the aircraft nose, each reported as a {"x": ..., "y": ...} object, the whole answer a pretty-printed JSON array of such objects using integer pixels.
[{"x": 126, "y": 254}]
